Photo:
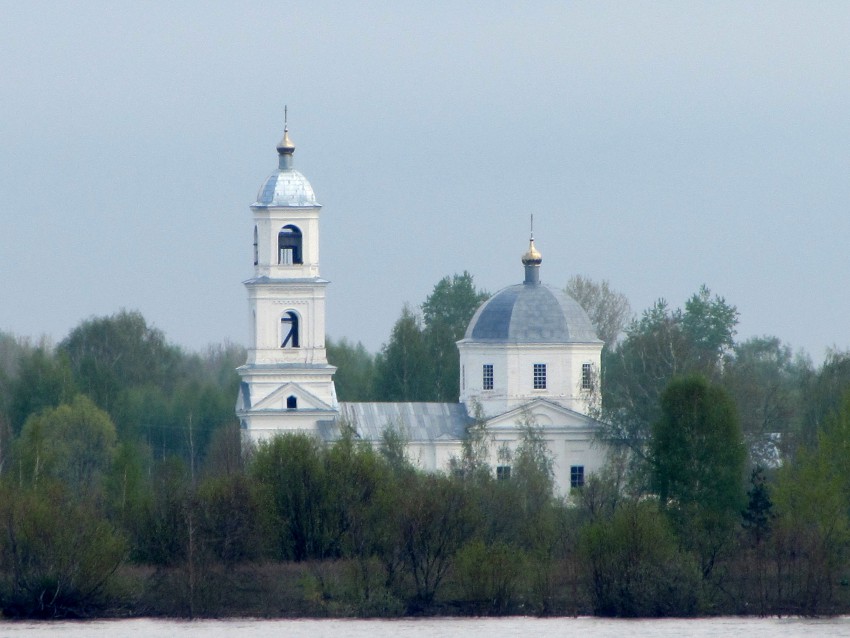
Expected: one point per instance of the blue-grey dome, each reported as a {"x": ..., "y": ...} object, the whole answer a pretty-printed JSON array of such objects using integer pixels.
[
  {"x": 531, "y": 313},
  {"x": 286, "y": 187}
]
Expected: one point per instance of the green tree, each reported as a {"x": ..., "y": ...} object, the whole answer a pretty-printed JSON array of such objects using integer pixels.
[
  {"x": 436, "y": 520},
  {"x": 635, "y": 566},
  {"x": 402, "y": 369},
  {"x": 420, "y": 362},
  {"x": 292, "y": 483},
  {"x": 660, "y": 345},
  {"x": 43, "y": 380},
  {"x": 811, "y": 530},
  {"x": 608, "y": 310},
  {"x": 73, "y": 443},
  {"x": 765, "y": 380},
  {"x": 354, "y": 376},
  {"x": 823, "y": 390},
  {"x": 446, "y": 314},
  {"x": 57, "y": 553},
  {"x": 698, "y": 460},
  {"x": 108, "y": 354}
]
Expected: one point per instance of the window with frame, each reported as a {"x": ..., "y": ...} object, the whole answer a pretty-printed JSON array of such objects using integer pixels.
[
  {"x": 487, "y": 380},
  {"x": 503, "y": 472},
  {"x": 289, "y": 330},
  {"x": 291, "y": 402},
  {"x": 539, "y": 376},
  {"x": 587, "y": 376},
  {"x": 577, "y": 476}
]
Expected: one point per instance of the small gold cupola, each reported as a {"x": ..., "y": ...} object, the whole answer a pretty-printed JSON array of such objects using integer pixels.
[
  {"x": 532, "y": 260},
  {"x": 285, "y": 148}
]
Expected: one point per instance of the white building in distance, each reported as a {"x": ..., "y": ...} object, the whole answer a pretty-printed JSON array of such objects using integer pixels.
[{"x": 530, "y": 355}]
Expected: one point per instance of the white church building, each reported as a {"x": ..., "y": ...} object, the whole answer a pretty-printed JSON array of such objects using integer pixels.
[{"x": 530, "y": 355}]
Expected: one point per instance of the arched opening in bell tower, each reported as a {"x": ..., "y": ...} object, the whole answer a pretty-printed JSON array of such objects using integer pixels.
[
  {"x": 289, "y": 246},
  {"x": 289, "y": 330}
]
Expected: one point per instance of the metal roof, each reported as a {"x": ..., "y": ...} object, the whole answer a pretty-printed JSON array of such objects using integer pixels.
[
  {"x": 286, "y": 187},
  {"x": 531, "y": 313},
  {"x": 417, "y": 421}
]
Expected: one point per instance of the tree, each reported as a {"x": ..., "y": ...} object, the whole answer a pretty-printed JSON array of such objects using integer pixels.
[
  {"x": 57, "y": 553},
  {"x": 765, "y": 380},
  {"x": 446, "y": 314},
  {"x": 436, "y": 520},
  {"x": 420, "y": 362},
  {"x": 636, "y": 570},
  {"x": 43, "y": 380},
  {"x": 73, "y": 443},
  {"x": 355, "y": 370},
  {"x": 402, "y": 370},
  {"x": 608, "y": 310},
  {"x": 698, "y": 458},
  {"x": 662, "y": 344},
  {"x": 108, "y": 354},
  {"x": 291, "y": 479},
  {"x": 824, "y": 390}
]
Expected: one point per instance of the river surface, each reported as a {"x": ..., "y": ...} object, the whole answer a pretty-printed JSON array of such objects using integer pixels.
[{"x": 438, "y": 627}]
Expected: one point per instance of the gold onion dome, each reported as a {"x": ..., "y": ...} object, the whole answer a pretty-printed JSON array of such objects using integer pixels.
[
  {"x": 533, "y": 256},
  {"x": 285, "y": 145}
]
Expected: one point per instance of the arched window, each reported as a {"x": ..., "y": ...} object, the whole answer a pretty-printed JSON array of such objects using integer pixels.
[
  {"x": 256, "y": 247},
  {"x": 291, "y": 402},
  {"x": 289, "y": 330},
  {"x": 289, "y": 246}
]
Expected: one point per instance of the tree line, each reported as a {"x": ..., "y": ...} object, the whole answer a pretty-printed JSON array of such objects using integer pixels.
[{"x": 125, "y": 487}]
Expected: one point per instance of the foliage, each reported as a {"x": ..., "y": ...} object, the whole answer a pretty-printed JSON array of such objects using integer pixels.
[
  {"x": 660, "y": 345},
  {"x": 765, "y": 380},
  {"x": 402, "y": 369},
  {"x": 636, "y": 568},
  {"x": 354, "y": 377},
  {"x": 57, "y": 553},
  {"x": 609, "y": 311},
  {"x": 420, "y": 362},
  {"x": 42, "y": 381},
  {"x": 73, "y": 444},
  {"x": 291, "y": 478},
  {"x": 823, "y": 391},
  {"x": 698, "y": 461},
  {"x": 446, "y": 314},
  {"x": 697, "y": 452},
  {"x": 435, "y": 521},
  {"x": 109, "y": 353}
]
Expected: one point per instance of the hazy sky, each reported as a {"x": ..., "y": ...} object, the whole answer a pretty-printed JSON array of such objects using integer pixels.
[{"x": 659, "y": 145}]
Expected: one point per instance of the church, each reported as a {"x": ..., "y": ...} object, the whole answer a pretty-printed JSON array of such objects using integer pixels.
[{"x": 530, "y": 355}]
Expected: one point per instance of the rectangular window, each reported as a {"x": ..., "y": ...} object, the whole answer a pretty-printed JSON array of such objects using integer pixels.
[
  {"x": 586, "y": 376},
  {"x": 488, "y": 376},
  {"x": 503, "y": 472},
  {"x": 539, "y": 376},
  {"x": 576, "y": 475}
]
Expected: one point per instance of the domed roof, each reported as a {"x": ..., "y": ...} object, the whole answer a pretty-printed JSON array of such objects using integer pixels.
[
  {"x": 286, "y": 187},
  {"x": 531, "y": 313}
]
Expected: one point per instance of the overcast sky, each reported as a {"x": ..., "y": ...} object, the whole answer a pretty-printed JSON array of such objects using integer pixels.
[{"x": 659, "y": 145}]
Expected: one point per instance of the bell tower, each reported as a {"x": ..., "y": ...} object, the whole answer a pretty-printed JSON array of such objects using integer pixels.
[{"x": 287, "y": 383}]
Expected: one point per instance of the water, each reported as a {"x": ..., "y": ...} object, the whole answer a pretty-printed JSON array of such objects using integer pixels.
[{"x": 516, "y": 627}]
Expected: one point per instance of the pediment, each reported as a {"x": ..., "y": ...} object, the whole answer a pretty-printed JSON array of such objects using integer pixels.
[
  {"x": 543, "y": 413},
  {"x": 305, "y": 400}
]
